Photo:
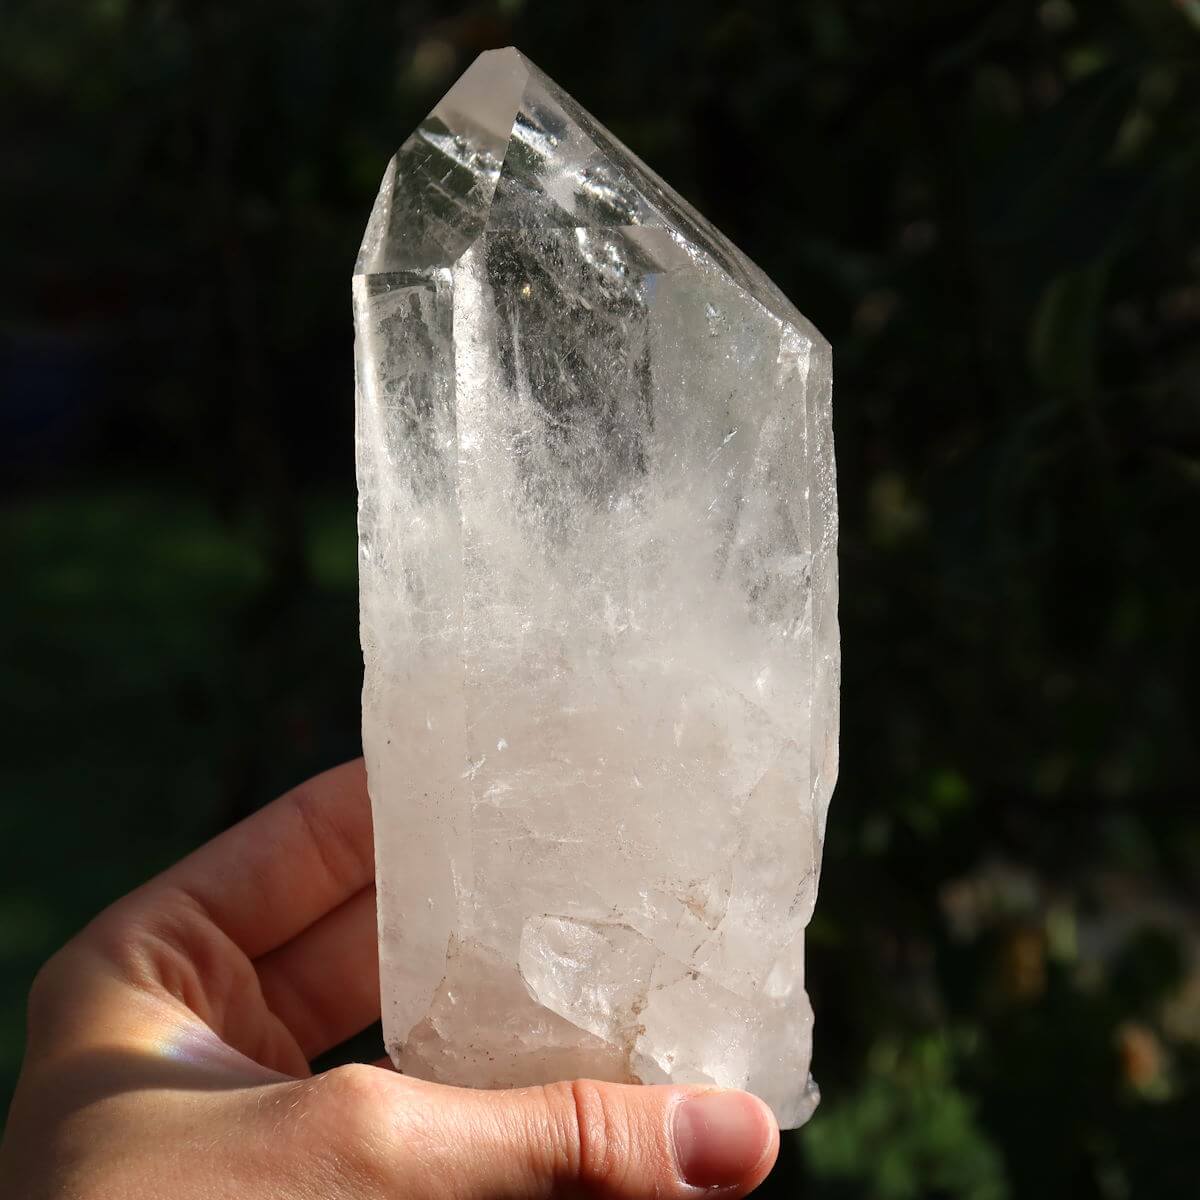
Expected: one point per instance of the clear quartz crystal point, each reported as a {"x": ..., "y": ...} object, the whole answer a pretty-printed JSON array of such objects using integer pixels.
[{"x": 597, "y": 539}]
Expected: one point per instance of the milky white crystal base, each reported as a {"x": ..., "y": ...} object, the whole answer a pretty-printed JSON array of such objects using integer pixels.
[{"x": 598, "y": 586}]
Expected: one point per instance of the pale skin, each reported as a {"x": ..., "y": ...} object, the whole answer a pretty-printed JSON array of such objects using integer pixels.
[{"x": 170, "y": 1041}]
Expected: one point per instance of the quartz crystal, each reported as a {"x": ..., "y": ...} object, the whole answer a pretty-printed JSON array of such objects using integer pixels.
[{"x": 597, "y": 538}]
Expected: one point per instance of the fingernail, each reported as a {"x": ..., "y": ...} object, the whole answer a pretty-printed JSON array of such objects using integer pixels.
[{"x": 720, "y": 1137}]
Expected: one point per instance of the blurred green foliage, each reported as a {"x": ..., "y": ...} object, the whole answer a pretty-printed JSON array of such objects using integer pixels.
[{"x": 993, "y": 211}]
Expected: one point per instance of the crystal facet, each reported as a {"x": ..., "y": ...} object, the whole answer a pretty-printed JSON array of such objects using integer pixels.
[{"x": 597, "y": 535}]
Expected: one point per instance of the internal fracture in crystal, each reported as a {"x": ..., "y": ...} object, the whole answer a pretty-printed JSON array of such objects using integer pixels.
[{"x": 597, "y": 535}]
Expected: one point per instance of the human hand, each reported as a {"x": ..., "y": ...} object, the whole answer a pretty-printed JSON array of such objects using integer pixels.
[{"x": 169, "y": 1045}]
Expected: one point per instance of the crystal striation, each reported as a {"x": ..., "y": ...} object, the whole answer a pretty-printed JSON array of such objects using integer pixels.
[{"x": 597, "y": 536}]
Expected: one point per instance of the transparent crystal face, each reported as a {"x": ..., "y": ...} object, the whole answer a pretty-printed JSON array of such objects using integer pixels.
[{"x": 598, "y": 577}]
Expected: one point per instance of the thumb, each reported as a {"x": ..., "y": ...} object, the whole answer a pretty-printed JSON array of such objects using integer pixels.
[{"x": 616, "y": 1141}]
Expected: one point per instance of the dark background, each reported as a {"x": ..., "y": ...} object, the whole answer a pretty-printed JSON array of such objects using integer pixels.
[{"x": 991, "y": 209}]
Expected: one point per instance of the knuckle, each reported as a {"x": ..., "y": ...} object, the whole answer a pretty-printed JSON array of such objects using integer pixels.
[
  {"x": 356, "y": 1089},
  {"x": 598, "y": 1138},
  {"x": 353, "y": 1103}
]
